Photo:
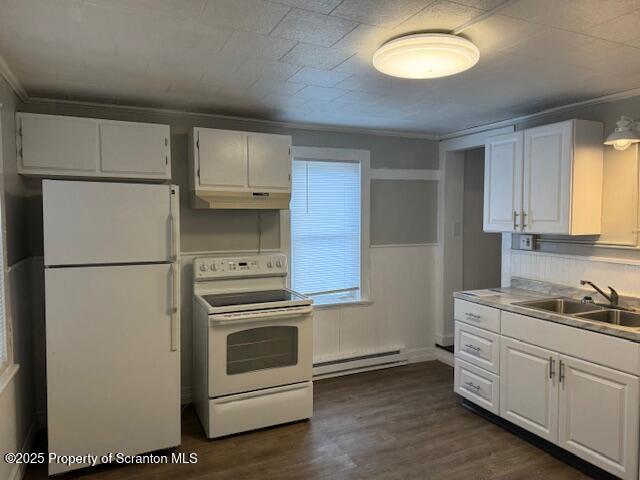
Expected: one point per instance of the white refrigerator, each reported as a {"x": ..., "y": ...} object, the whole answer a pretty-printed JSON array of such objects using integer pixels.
[{"x": 112, "y": 288}]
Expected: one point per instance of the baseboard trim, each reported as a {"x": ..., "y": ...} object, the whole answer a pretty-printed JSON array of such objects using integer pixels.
[
  {"x": 343, "y": 373},
  {"x": 20, "y": 468},
  {"x": 444, "y": 356},
  {"x": 444, "y": 340},
  {"x": 418, "y": 355}
]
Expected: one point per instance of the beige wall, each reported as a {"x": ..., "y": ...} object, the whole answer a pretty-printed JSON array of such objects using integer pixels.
[{"x": 16, "y": 399}]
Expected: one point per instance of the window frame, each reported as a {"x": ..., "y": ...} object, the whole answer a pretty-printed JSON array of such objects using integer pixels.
[
  {"x": 8, "y": 362},
  {"x": 362, "y": 157}
]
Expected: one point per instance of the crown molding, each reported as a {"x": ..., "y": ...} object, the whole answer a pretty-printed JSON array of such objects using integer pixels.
[
  {"x": 634, "y": 92},
  {"x": 12, "y": 80}
]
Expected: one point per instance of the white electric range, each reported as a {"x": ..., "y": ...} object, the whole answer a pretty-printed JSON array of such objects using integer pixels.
[{"x": 252, "y": 343}]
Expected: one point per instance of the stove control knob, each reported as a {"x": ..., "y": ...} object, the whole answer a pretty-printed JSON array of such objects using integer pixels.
[
  {"x": 214, "y": 267},
  {"x": 269, "y": 264},
  {"x": 203, "y": 268},
  {"x": 278, "y": 263}
]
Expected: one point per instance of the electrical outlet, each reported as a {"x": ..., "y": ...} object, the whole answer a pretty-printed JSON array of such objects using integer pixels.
[{"x": 526, "y": 242}]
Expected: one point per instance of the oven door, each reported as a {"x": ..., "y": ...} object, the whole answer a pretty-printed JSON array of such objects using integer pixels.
[{"x": 248, "y": 354}]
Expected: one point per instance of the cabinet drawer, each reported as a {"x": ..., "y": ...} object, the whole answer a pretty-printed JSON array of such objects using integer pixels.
[
  {"x": 477, "y": 346},
  {"x": 477, "y": 385},
  {"x": 478, "y": 315}
]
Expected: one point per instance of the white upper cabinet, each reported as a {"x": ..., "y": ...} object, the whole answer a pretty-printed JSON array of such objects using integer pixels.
[
  {"x": 503, "y": 182},
  {"x": 135, "y": 148},
  {"x": 555, "y": 174},
  {"x": 266, "y": 167},
  {"x": 233, "y": 169},
  {"x": 60, "y": 146},
  {"x": 599, "y": 416},
  {"x": 222, "y": 158}
]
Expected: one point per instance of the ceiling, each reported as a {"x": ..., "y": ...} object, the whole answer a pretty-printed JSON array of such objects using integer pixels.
[{"x": 310, "y": 60}]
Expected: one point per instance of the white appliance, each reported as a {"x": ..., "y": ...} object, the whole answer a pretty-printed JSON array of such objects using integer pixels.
[
  {"x": 112, "y": 318},
  {"x": 253, "y": 345}
]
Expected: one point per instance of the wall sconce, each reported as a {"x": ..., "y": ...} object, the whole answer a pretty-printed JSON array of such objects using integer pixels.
[{"x": 624, "y": 135}]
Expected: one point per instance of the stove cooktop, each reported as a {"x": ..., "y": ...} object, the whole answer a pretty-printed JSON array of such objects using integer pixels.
[{"x": 250, "y": 298}]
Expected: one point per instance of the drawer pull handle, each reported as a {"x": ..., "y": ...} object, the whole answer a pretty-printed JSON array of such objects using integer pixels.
[
  {"x": 473, "y": 316},
  {"x": 473, "y": 347},
  {"x": 473, "y": 386},
  {"x": 552, "y": 363}
]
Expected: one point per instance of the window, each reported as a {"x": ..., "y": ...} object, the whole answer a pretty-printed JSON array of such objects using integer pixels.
[{"x": 327, "y": 226}]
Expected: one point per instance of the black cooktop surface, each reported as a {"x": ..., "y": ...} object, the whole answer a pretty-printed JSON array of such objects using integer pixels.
[{"x": 250, "y": 298}]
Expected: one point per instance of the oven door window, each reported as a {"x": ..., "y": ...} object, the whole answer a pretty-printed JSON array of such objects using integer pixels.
[{"x": 261, "y": 348}]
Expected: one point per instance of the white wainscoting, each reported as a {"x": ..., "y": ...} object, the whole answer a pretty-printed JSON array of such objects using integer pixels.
[
  {"x": 400, "y": 317},
  {"x": 621, "y": 274}
]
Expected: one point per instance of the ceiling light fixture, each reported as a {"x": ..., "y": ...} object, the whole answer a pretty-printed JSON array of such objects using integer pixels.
[
  {"x": 426, "y": 55},
  {"x": 624, "y": 135}
]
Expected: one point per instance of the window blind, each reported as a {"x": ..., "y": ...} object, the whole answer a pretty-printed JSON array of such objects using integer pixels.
[{"x": 325, "y": 227}]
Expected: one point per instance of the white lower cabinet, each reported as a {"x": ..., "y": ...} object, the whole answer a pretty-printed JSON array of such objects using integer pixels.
[
  {"x": 599, "y": 416},
  {"x": 529, "y": 388},
  {"x": 589, "y": 408}
]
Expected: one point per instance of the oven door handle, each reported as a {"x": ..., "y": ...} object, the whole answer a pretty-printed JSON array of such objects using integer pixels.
[{"x": 216, "y": 320}]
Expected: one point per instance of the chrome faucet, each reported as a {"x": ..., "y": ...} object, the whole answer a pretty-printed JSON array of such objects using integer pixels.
[{"x": 612, "y": 297}]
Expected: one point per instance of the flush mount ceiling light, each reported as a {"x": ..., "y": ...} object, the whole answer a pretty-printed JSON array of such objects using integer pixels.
[
  {"x": 624, "y": 135},
  {"x": 426, "y": 55}
]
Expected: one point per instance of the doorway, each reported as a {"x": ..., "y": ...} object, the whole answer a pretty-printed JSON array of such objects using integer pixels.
[
  {"x": 481, "y": 251},
  {"x": 470, "y": 258}
]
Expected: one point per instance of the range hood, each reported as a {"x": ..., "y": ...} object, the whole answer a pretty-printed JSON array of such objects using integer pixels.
[
  {"x": 231, "y": 169},
  {"x": 240, "y": 200}
]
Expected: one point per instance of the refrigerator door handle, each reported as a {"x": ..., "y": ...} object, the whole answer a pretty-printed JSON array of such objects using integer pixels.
[
  {"x": 175, "y": 315},
  {"x": 173, "y": 223}
]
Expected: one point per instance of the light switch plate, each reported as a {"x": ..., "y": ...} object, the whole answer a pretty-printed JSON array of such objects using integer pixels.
[{"x": 526, "y": 242}]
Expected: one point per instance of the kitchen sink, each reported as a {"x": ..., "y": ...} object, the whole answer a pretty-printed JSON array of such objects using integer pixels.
[
  {"x": 561, "y": 305},
  {"x": 615, "y": 317}
]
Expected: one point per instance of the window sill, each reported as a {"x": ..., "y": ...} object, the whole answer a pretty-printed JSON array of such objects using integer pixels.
[
  {"x": 7, "y": 375},
  {"x": 347, "y": 303}
]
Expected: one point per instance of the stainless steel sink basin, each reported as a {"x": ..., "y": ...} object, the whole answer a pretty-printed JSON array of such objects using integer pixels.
[
  {"x": 614, "y": 317},
  {"x": 561, "y": 305}
]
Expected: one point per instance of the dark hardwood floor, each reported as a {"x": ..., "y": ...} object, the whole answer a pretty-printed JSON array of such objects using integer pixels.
[{"x": 399, "y": 423}]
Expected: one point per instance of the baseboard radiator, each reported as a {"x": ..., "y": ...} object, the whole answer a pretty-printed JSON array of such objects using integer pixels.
[{"x": 357, "y": 364}]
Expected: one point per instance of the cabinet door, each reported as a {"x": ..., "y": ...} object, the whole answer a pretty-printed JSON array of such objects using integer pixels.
[
  {"x": 529, "y": 388},
  {"x": 503, "y": 182},
  {"x": 599, "y": 416},
  {"x": 135, "y": 148},
  {"x": 222, "y": 158},
  {"x": 54, "y": 143},
  {"x": 269, "y": 161},
  {"x": 547, "y": 178}
]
